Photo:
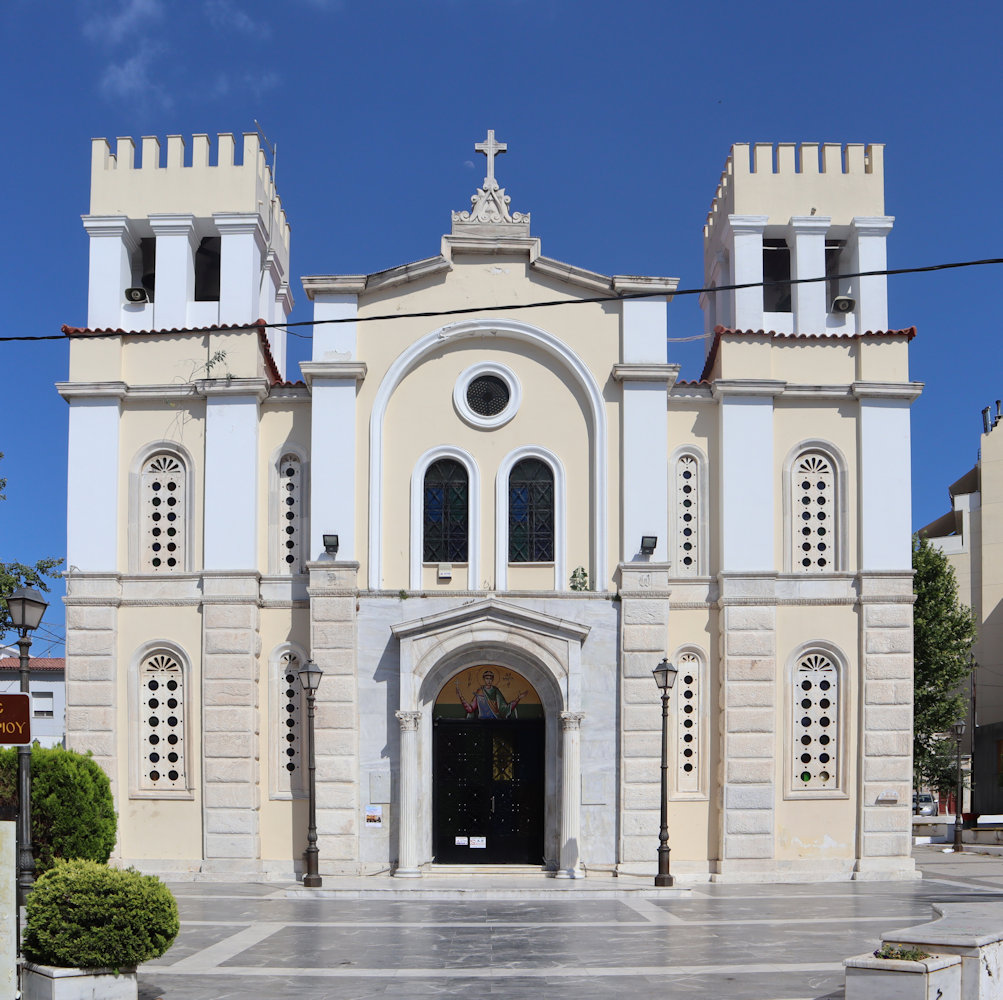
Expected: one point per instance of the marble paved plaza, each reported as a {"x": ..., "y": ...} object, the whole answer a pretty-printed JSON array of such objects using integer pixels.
[{"x": 586, "y": 940}]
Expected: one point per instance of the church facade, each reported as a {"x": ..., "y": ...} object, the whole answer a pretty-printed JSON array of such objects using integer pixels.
[{"x": 487, "y": 510}]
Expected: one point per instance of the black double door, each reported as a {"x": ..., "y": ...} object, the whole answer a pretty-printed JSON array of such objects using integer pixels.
[{"x": 488, "y": 791}]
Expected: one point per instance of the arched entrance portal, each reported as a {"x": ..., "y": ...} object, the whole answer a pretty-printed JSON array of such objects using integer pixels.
[{"x": 488, "y": 769}]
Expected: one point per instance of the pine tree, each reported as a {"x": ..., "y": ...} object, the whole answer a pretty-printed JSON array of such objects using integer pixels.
[{"x": 943, "y": 635}]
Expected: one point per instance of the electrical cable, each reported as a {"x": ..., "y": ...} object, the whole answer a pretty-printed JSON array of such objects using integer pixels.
[{"x": 546, "y": 304}]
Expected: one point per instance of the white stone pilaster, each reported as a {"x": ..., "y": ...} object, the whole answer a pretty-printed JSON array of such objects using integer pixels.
[
  {"x": 242, "y": 247},
  {"x": 747, "y": 477},
  {"x": 175, "y": 281},
  {"x": 407, "y": 826},
  {"x": 645, "y": 479},
  {"x": 334, "y": 341},
  {"x": 571, "y": 795},
  {"x": 92, "y": 482},
  {"x": 868, "y": 252},
  {"x": 333, "y": 388},
  {"x": 231, "y": 477},
  {"x": 746, "y": 237},
  {"x": 807, "y": 243},
  {"x": 112, "y": 244}
]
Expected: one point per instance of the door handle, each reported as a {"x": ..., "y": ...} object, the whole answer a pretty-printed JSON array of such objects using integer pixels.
[{"x": 492, "y": 805}]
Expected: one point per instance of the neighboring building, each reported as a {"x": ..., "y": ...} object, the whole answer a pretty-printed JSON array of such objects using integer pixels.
[
  {"x": 971, "y": 536},
  {"x": 47, "y": 683},
  {"x": 528, "y": 512}
]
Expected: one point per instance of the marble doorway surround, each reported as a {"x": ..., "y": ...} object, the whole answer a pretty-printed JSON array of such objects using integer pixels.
[{"x": 547, "y": 651}]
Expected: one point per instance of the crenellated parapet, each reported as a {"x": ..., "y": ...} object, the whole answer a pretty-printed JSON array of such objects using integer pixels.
[
  {"x": 786, "y": 179},
  {"x": 176, "y": 179}
]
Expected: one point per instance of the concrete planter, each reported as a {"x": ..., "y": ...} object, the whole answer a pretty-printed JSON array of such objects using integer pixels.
[
  {"x": 48, "y": 982},
  {"x": 935, "y": 978}
]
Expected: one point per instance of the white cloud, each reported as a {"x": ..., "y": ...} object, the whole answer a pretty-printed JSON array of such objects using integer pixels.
[
  {"x": 113, "y": 23},
  {"x": 227, "y": 15},
  {"x": 133, "y": 81}
]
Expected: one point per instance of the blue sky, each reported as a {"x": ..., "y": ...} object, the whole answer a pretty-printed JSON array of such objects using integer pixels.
[{"x": 618, "y": 117}]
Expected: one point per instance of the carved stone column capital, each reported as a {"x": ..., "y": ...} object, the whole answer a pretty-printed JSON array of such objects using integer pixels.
[
  {"x": 571, "y": 720},
  {"x": 408, "y": 721}
]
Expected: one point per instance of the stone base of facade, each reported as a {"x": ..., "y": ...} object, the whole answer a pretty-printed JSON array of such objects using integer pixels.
[
  {"x": 807, "y": 870},
  {"x": 885, "y": 870}
]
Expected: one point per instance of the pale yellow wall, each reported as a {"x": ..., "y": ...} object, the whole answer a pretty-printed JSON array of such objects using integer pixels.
[
  {"x": 95, "y": 359},
  {"x": 883, "y": 359},
  {"x": 159, "y": 828}
]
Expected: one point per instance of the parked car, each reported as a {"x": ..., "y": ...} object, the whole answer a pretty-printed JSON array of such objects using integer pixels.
[{"x": 924, "y": 804}]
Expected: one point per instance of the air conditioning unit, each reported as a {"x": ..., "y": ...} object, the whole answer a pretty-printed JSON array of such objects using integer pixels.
[
  {"x": 136, "y": 295},
  {"x": 843, "y": 304}
]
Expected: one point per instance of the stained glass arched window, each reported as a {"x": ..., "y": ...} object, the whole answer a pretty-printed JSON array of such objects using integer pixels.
[
  {"x": 815, "y": 723},
  {"x": 446, "y": 502},
  {"x": 531, "y": 512}
]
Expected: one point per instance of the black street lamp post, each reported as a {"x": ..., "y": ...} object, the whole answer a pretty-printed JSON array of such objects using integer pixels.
[
  {"x": 665, "y": 676},
  {"x": 25, "y": 607},
  {"x": 310, "y": 675},
  {"x": 959, "y": 731}
]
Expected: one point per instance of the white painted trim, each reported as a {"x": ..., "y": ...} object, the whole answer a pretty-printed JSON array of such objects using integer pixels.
[
  {"x": 791, "y": 791},
  {"x": 499, "y": 371},
  {"x": 297, "y": 789},
  {"x": 703, "y": 513},
  {"x": 841, "y": 519},
  {"x": 192, "y": 747},
  {"x": 885, "y": 485},
  {"x": 473, "y": 512},
  {"x": 140, "y": 459},
  {"x": 276, "y": 564},
  {"x": 501, "y": 514},
  {"x": 468, "y": 330},
  {"x": 645, "y": 433}
]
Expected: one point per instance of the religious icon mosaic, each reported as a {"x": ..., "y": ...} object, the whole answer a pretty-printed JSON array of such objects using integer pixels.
[{"x": 488, "y": 692}]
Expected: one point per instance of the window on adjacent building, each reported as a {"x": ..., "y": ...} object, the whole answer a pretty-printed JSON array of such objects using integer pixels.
[
  {"x": 446, "y": 512},
  {"x": 42, "y": 705},
  {"x": 815, "y": 513},
  {"x": 290, "y": 517},
  {"x": 163, "y": 501},
  {"x": 815, "y": 723},
  {"x": 531, "y": 512},
  {"x": 776, "y": 268},
  {"x": 687, "y": 516},
  {"x": 161, "y": 715}
]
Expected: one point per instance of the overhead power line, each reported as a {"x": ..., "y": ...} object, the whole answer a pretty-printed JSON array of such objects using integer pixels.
[{"x": 551, "y": 303}]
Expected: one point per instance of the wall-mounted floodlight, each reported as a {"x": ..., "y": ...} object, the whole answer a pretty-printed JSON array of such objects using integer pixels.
[
  {"x": 648, "y": 543},
  {"x": 331, "y": 544}
]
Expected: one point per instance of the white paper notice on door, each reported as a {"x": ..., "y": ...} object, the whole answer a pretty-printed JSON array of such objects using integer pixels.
[
  {"x": 481, "y": 842},
  {"x": 460, "y": 841}
]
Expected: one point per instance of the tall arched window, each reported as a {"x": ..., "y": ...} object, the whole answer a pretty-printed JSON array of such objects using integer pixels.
[
  {"x": 815, "y": 513},
  {"x": 287, "y": 722},
  {"x": 446, "y": 506},
  {"x": 291, "y": 489},
  {"x": 161, "y": 718},
  {"x": 690, "y": 739},
  {"x": 815, "y": 723},
  {"x": 688, "y": 526},
  {"x": 531, "y": 512},
  {"x": 163, "y": 504}
]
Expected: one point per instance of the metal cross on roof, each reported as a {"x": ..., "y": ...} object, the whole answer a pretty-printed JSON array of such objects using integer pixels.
[{"x": 490, "y": 149}]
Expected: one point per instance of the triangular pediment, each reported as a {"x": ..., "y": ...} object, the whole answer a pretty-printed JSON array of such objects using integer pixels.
[{"x": 495, "y": 612}]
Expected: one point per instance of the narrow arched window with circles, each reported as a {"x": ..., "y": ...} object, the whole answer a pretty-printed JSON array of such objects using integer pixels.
[
  {"x": 289, "y": 699},
  {"x": 816, "y": 723},
  {"x": 162, "y": 723},
  {"x": 688, "y": 709},
  {"x": 687, "y": 516},
  {"x": 163, "y": 503},
  {"x": 290, "y": 519},
  {"x": 813, "y": 495}
]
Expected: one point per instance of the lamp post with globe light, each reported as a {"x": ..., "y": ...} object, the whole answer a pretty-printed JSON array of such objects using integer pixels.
[{"x": 665, "y": 676}]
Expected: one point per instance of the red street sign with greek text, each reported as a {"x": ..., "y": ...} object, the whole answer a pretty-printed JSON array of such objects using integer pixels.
[{"x": 15, "y": 719}]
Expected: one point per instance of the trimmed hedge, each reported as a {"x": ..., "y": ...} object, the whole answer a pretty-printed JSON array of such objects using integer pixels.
[
  {"x": 85, "y": 915},
  {"x": 72, "y": 811}
]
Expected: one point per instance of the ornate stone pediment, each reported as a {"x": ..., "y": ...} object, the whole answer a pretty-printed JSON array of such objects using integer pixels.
[{"x": 489, "y": 212}]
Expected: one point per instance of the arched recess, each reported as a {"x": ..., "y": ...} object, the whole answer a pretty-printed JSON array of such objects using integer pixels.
[
  {"x": 501, "y": 514},
  {"x": 136, "y": 519},
  {"x": 139, "y": 714},
  {"x": 473, "y": 512},
  {"x": 285, "y": 783},
  {"x": 689, "y": 757},
  {"x": 700, "y": 512},
  {"x": 277, "y": 522},
  {"x": 840, "y": 519},
  {"x": 808, "y": 663},
  {"x": 520, "y": 332}
]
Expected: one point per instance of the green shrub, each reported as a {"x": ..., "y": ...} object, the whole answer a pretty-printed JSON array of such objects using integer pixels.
[
  {"x": 85, "y": 915},
  {"x": 72, "y": 812}
]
